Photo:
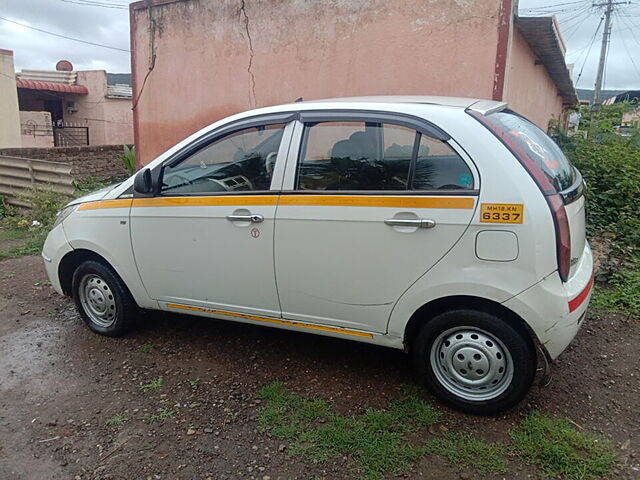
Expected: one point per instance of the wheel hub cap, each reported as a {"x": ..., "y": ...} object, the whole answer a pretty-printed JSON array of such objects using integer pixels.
[
  {"x": 97, "y": 300},
  {"x": 471, "y": 363}
]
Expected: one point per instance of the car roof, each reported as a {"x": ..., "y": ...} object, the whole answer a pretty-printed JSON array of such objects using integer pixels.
[{"x": 478, "y": 104}]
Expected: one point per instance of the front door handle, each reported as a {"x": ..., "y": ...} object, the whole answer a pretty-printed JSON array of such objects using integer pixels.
[
  {"x": 253, "y": 218},
  {"x": 411, "y": 222}
]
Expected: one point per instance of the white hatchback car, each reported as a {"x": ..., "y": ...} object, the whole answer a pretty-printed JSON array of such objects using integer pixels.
[{"x": 452, "y": 228}]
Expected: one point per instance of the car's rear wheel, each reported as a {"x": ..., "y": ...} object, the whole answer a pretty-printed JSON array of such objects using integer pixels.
[
  {"x": 475, "y": 361},
  {"x": 102, "y": 299}
]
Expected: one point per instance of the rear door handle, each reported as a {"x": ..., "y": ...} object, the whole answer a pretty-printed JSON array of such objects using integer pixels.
[
  {"x": 411, "y": 222},
  {"x": 253, "y": 218}
]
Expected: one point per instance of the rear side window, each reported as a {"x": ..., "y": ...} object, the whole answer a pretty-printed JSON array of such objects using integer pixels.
[
  {"x": 537, "y": 146},
  {"x": 363, "y": 155}
]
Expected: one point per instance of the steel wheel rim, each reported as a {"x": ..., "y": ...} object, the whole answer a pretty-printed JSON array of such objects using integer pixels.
[
  {"x": 471, "y": 363},
  {"x": 97, "y": 300}
]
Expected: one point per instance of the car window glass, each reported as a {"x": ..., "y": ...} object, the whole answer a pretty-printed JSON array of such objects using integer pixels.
[
  {"x": 241, "y": 161},
  {"x": 536, "y": 145},
  {"x": 439, "y": 167},
  {"x": 355, "y": 156}
]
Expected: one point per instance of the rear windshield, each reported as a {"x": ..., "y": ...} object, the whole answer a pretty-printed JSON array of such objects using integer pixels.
[{"x": 537, "y": 145}]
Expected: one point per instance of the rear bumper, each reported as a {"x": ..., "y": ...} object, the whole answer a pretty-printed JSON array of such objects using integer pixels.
[{"x": 554, "y": 310}]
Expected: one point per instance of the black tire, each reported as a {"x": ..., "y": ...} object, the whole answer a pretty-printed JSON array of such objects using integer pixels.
[
  {"x": 517, "y": 343},
  {"x": 119, "y": 307}
]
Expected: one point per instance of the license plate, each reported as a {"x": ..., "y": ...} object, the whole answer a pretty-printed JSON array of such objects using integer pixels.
[{"x": 501, "y": 212}]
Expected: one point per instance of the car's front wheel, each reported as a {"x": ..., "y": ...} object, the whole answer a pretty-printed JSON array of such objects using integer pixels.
[
  {"x": 102, "y": 299},
  {"x": 475, "y": 361}
]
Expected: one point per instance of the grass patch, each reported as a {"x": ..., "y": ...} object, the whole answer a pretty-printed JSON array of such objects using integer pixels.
[
  {"x": 622, "y": 293},
  {"x": 161, "y": 416},
  {"x": 31, "y": 241},
  {"x": 194, "y": 383},
  {"x": 146, "y": 348},
  {"x": 466, "y": 451},
  {"x": 376, "y": 441},
  {"x": 558, "y": 448},
  {"x": 152, "y": 385},
  {"x": 116, "y": 420}
]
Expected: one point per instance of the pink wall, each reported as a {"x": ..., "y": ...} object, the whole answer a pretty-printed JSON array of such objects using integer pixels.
[
  {"x": 110, "y": 121},
  {"x": 528, "y": 88},
  {"x": 35, "y": 129},
  {"x": 118, "y": 118},
  {"x": 206, "y": 66}
]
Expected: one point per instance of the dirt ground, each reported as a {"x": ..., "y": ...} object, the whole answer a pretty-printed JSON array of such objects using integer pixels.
[{"x": 59, "y": 383}]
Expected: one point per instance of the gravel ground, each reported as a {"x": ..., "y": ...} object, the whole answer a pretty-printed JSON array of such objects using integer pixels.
[{"x": 59, "y": 383}]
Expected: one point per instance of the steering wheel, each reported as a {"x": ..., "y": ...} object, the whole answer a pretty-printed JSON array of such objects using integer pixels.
[{"x": 270, "y": 161}]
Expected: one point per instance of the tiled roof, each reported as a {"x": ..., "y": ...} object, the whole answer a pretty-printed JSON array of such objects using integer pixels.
[{"x": 51, "y": 86}]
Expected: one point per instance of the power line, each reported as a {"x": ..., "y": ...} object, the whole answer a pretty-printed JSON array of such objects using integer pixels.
[
  {"x": 593, "y": 39},
  {"x": 624, "y": 43},
  {"x": 118, "y": 6},
  {"x": 64, "y": 36}
]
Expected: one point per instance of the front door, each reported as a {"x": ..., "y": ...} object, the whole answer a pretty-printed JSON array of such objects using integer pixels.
[
  {"x": 372, "y": 206},
  {"x": 206, "y": 239}
]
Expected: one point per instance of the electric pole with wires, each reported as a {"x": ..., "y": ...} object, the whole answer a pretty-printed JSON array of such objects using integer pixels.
[{"x": 606, "y": 36}]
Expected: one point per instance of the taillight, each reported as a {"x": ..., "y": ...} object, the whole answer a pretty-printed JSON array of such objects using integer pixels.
[
  {"x": 554, "y": 200},
  {"x": 563, "y": 234}
]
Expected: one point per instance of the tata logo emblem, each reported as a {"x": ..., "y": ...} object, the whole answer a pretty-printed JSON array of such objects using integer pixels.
[{"x": 255, "y": 232}]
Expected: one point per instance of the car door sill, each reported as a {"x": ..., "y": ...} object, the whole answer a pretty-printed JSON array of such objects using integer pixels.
[{"x": 272, "y": 320}]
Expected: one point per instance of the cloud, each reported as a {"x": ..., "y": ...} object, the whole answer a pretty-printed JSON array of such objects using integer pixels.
[
  {"x": 37, "y": 50},
  {"x": 578, "y": 24}
]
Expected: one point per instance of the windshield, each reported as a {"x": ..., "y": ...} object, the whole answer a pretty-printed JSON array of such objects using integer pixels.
[{"x": 537, "y": 145}]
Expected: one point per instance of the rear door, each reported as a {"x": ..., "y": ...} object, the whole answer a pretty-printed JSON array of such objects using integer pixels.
[{"x": 370, "y": 203}]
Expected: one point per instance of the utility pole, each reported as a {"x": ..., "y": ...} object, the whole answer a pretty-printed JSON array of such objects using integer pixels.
[{"x": 606, "y": 36}]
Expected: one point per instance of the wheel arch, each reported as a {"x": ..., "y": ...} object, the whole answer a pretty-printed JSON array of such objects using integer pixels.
[
  {"x": 430, "y": 310},
  {"x": 71, "y": 261}
]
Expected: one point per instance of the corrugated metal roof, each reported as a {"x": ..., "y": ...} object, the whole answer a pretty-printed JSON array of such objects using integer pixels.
[
  {"x": 119, "y": 91},
  {"x": 541, "y": 33},
  {"x": 51, "y": 86},
  {"x": 67, "y": 78}
]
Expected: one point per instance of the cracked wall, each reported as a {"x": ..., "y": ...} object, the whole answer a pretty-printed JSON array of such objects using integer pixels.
[{"x": 215, "y": 58}]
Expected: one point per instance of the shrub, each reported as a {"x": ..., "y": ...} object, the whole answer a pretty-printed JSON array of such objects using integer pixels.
[
  {"x": 3, "y": 207},
  {"x": 45, "y": 205},
  {"x": 611, "y": 169},
  {"x": 129, "y": 158}
]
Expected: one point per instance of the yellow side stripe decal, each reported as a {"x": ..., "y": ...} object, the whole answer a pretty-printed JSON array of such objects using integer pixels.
[
  {"x": 378, "y": 201},
  {"x": 271, "y": 320},
  {"x": 306, "y": 200},
  {"x": 119, "y": 203},
  {"x": 206, "y": 201}
]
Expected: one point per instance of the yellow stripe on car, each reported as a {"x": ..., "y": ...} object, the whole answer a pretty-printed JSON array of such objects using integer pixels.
[
  {"x": 206, "y": 201},
  {"x": 378, "y": 201},
  {"x": 118, "y": 203},
  {"x": 294, "y": 200},
  {"x": 277, "y": 321}
]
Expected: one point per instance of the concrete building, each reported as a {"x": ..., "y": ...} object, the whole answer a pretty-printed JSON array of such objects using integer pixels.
[
  {"x": 196, "y": 61},
  {"x": 63, "y": 107},
  {"x": 9, "y": 120}
]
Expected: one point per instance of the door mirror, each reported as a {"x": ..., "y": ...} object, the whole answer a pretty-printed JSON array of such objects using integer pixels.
[{"x": 142, "y": 182}]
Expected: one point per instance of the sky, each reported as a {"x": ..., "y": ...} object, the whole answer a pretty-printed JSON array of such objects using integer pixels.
[{"x": 106, "y": 22}]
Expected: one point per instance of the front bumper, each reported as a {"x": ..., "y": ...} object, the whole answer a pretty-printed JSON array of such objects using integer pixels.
[
  {"x": 55, "y": 247},
  {"x": 554, "y": 310}
]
